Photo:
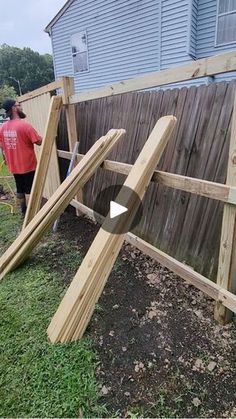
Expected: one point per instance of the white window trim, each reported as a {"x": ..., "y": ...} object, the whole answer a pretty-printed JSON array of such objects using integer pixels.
[
  {"x": 72, "y": 62},
  {"x": 217, "y": 19}
]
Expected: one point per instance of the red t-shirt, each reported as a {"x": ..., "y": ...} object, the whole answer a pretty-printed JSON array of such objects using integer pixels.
[{"x": 17, "y": 138}]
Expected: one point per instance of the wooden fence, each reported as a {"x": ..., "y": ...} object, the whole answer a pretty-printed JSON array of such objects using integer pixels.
[
  {"x": 184, "y": 225},
  {"x": 199, "y": 163}
]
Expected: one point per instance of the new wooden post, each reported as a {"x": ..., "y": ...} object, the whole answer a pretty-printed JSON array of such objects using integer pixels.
[
  {"x": 68, "y": 90},
  {"x": 226, "y": 276},
  {"x": 44, "y": 159}
]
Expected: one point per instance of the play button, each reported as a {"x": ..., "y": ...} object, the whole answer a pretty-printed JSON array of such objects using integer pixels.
[
  {"x": 116, "y": 209},
  {"x": 120, "y": 206}
]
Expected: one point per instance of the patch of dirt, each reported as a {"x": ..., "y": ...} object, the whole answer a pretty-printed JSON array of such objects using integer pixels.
[
  {"x": 3, "y": 194},
  {"x": 161, "y": 352}
]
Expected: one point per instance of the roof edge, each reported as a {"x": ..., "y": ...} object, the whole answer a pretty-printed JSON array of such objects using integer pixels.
[{"x": 58, "y": 15}]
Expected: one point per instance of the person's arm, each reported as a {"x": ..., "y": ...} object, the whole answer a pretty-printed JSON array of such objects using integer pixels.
[
  {"x": 39, "y": 142},
  {"x": 33, "y": 135}
]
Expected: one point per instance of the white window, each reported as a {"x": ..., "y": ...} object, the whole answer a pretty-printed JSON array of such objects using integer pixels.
[
  {"x": 226, "y": 22},
  {"x": 79, "y": 51}
]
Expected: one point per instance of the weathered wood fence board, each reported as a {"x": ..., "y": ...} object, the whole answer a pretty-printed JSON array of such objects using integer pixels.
[{"x": 182, "y": 224}]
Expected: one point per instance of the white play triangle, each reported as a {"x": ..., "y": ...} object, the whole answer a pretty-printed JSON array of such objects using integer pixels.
[{"x": 116, "y": 209}]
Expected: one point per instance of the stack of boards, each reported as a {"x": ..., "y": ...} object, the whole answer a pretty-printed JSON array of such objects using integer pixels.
[{"x": 30, "y": 236}]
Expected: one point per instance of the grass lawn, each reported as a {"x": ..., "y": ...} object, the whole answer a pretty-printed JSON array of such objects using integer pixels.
[
  {"x": 38, "y": 379},
  {"x": 3, "y": 167}
]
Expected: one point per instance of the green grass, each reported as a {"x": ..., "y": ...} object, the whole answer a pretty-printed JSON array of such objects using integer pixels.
[
  {"x": 37, "y": 378},
  {"x": 3, "y": 167}
]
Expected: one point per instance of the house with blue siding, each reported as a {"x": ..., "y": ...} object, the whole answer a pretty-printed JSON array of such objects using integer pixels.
[{"x": 100, "y": 42}]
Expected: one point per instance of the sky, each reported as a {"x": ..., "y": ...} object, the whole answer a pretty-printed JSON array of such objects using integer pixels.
[{"x": 22, "y": 23}]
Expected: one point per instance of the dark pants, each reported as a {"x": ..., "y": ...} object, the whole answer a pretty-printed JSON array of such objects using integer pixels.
[{"x": 24, "y": 182}]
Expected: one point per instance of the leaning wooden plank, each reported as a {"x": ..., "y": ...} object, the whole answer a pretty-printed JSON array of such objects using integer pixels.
[
  {"x": 90, "y": 294},
  {"x": 99, "y": 260},
  {"x": 201, "y": 68},
  {"x": 201, "y": 187},
  {"x": 96, "y": 282},
  {"x": 37, "y": 110},
  {"x": 226, "y": 276},
  {"x": 30, "y": 236},
  {"x": 184, "y": 271},
  {"x": 44, "y": 158},
  {"x": 87, "y": 305}
]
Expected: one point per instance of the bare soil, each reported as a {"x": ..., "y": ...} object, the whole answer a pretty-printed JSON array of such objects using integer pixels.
[{"x": 161, "y": 352}]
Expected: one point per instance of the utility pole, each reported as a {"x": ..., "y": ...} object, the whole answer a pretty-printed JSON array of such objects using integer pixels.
[{"x": 18, "y": 82}]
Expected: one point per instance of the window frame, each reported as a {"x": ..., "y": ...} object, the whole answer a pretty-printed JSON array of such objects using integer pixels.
[
  {"x": 83, "y": 71},
  {"x": 217, "y": 24}
]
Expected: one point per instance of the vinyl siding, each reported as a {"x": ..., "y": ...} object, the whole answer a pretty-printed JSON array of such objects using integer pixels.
[
  {"x": 123, "y": 40},
  {"x": 206, "y": 30},
  {"x": 174, "y": 30},
  {"x": 178, "y": 32}
]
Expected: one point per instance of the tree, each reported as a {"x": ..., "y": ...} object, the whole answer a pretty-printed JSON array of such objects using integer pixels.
[
  {"x": 29, "y": 67},
  {"x": 6, "y": 91}
]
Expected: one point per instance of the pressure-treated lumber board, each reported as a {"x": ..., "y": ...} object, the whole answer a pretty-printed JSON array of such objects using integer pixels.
[
  {"x": 201, "y": 187},
  {"x": 184, "y": 271},
  {"x": 57, "y": 84},
  {"x": 68, "y": 90},
  {"x": 86, "y": 308},
  {"x": 201, "y": 68},
  {"x": 37, "y": 110},
  {"x": 226, "y": 275},
  {"x": 77, "y": 306},
  {"x": 44, "y": 158},
  {"x": 30, "y": 236}
]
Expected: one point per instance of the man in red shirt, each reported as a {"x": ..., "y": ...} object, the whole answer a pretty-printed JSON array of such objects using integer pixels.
[{"x": 17, "y": 139}]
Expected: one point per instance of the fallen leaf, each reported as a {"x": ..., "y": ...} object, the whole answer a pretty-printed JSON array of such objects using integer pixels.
[
  {"x": 152, "y": 314},
  {"x": 105, "y": 390},
  {"x": 196, "y": 402},
  {"x": 211, "y": 365},
  {"x": 198, "y": 364}
]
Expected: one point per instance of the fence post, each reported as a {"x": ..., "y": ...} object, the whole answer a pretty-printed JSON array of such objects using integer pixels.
[
  {"x": 68, "y": 90},
  {"x": 226, "y": 276}
]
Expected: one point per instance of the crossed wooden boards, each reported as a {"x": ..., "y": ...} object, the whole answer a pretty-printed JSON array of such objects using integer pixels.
[{"x": 77, "y": 306}]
